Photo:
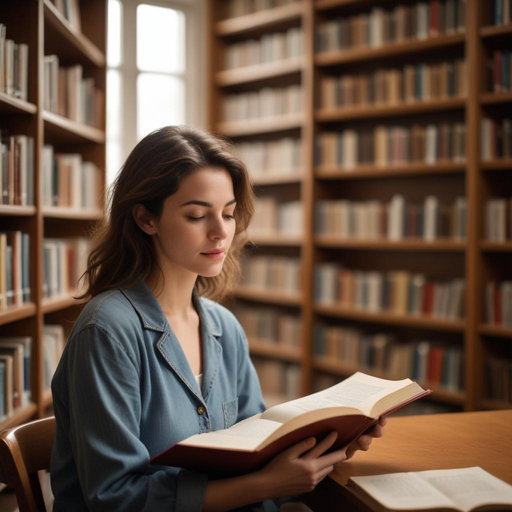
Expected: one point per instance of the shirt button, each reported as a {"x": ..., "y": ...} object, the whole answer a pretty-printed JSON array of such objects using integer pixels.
[{"x": 200, "y": 410}]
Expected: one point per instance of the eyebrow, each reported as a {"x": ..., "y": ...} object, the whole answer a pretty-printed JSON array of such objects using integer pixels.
[{"x": 204, "y": 203}]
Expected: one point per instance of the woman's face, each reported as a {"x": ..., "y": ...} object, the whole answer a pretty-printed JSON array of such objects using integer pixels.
[{"x": 197, "y": 225}]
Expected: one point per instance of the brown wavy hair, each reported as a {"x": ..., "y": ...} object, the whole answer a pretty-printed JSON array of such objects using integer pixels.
[{"x": 122, "y": 255}]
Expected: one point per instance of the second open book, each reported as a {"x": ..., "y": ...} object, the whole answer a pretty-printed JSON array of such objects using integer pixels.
[{"x": 350, "y": 408}]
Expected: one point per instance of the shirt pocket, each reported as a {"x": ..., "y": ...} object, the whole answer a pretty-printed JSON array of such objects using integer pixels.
[{"x": 230, "y": 410}]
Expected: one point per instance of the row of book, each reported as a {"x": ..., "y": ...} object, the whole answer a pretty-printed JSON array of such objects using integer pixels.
[
  {"x": 53, "y": 345},
  {"x": 267, "y": 102},
  {"x": 64, "y": 262},
  {"x": 500, "y": 71},
  {"x": 409, "y": 84},
  {"x": 268, "y": 325},
  {"x": 386, "y": 146},
  {"x": 17, "y": 170},
  {"x": 426, "y": 362},
  {"x": 14, "y": 268},
  {"x": 69, "y": 94},
  {"x": 276, "y": 273},
  {"x": 70, "y": 182},
  {"x": 496, "y": 136},
  {"x": 498, "y": 303},
  {"x": 70, "y": 10},
  {"x": 498, "y": 220},
  {"x": 274, "y": 217},
  {"x": 397, "y": 292},
  {"x": 15, "y": 364},
  {"x": 498, "y": 379},
  {"x": 399, "y": 23},
  {"x": 263, "y": 158},
  {"x": 276, "y": 46},
  {"x": 501, "y": 12},
  {"x": 279, "y": 381},
  {"x": 242, "y": 7},
  {"x": 13, "y": 66},
  {"x": 396, "y": 220}
]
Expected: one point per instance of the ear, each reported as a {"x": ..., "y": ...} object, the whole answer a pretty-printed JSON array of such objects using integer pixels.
[{"x": 144, "y": 219}]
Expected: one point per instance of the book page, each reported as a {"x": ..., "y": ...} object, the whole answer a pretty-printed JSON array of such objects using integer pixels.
[
  {"x": 359, "y": 391},
  {"x": 469, "y": 487},
  {"x": 402, "y": 491},
  {"x": 245, "y": 435}
]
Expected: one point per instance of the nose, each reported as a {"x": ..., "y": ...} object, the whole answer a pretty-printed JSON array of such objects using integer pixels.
[{"x": 218, "y": 230}]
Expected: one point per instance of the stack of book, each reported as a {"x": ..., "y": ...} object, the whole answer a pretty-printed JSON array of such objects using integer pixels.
[
  {"x": 70, "y": 182},
  {"x": 500, "y": 71},
  {"x": 496, "y": 138},
  {"x": 498, "y": 220},
  {"x": 274, "y": 157},
  {"x": 425, "y": 361},
  {"x": 64, "y": 262},
  {"x": 501, "y": 12},
  {"x": 244, "y": 7},
  {"x": 278, "y": 379},
  {"x": 15, "y": 387},
  {"x": 267, "y": 102},
  {"x": 498, "y": 379},
  {"x": 53, "y": 346},
  {"x": 13, "y": 66},
  {"x": 396, "y": 292},
  {"x": 14, "y": 269},
  {"x": 394, "y": 25},
  {"x": 373, "y": 220},
  {"x": 498, "y": 303},
  {"x": 272, "y": 217},
  {"x": 68, "y": 93},
  {"x": 272, "y": 47},
  {"x": 17, "y": 170},
  {"x": 409, "y": 84},
  {"x": 385, "y": 146},
  {"x": 71, "y": 11},
  {"x": 276, "y": 273}
]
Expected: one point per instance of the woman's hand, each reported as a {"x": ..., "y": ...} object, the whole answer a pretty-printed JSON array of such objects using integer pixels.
[
  {"x": 300, "y": 468},
  {"x": 364, "y": 441}
]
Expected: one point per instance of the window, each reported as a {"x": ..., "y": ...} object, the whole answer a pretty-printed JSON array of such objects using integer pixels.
[{"x": 155, "y": 61}]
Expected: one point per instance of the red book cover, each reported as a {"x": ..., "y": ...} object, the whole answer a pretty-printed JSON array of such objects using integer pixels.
[
  {"x": 428, "y": 299},
  {"x": 434, "y": 17},
  {"x": 497, "y": 70},
  {"x": 435, "y": 365}
]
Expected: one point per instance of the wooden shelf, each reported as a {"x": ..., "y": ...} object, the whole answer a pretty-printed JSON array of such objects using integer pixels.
[
  {"x": 71, "y": 43},
  {"x": 420, "y": 322},
  {"x": 495, "y": 31},
  {"x": 494, "y": 404},
  {"x": 496, "y": 246},
  {"x": 497, "y": 165},
  {"x": 11, "y": 105},
  {"x": 52, "y": 304},
  {"x": 274, "y": 350},
  {"x": 277, "y": 179},
  {"x": 325, "y": 5},
  {"x": 370, "y": 171},
  {"x": 71, "y": 131},
  {"x": 261, "y": 126},
  {"x": 58, "y": 212},
  {"x": 18, "y": 211},
  {"x": 260, "y": 20},
  {"x": 345, "y": 370},
  {"x": 498, "y": 331},
  {"x": 270, "y": 296},
  {"x": 258, "y": 72},
  {"x": 378, "y": 111},
  {"x": 496, "y": 98},
  {"x": 411, "y": 46},
  {"x": 335, "y": 242},
  {"x": 20, "y": 415},
  {"x": 276, "y": 239},
  {"x": 15, "y": 313}
]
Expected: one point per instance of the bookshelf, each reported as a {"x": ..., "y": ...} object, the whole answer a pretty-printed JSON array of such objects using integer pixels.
[
  {"x": 45, "y": 30},
  {"x": 466, "y": 31}
]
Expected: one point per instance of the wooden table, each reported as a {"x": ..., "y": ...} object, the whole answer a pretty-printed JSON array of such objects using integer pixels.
[{"x": 419, "y": 443}]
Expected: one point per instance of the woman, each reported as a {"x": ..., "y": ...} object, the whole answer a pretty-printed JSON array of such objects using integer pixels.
[{"x": 151, "y": 360}]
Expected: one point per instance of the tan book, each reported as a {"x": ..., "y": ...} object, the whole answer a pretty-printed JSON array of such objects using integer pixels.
[
  {"x": 463, "y": 489},
  {"x": 350, "y": 407}
]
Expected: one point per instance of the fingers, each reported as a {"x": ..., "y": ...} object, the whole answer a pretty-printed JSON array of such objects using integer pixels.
[
  {"x": 321, "y": 447},
  {"x": 383, "y": 421},
  {"x": 298, "y": 449},
  {"x": 333, "y": 458},
  {"x": 377, "y": 431}
]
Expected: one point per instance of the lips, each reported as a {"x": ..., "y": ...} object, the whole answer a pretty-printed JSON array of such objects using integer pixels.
[{"x": 217, "y": 251}]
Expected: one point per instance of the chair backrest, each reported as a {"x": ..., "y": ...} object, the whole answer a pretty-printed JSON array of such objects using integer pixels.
[{"x": 25, "y": 450}]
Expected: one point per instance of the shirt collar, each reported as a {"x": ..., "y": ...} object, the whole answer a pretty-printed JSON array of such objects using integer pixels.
[{"x": 152, "y": 316}]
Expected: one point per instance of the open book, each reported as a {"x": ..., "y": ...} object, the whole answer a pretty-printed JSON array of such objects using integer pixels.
[
  {"x": 465, "y": 489},
  {"x": 350, "y": 408}
]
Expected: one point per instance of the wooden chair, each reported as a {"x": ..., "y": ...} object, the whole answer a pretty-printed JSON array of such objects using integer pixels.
[{"x": 25, "y": 450}]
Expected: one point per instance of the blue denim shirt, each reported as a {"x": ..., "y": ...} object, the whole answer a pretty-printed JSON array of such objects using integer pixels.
[{"x": 124, "y": 391}]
